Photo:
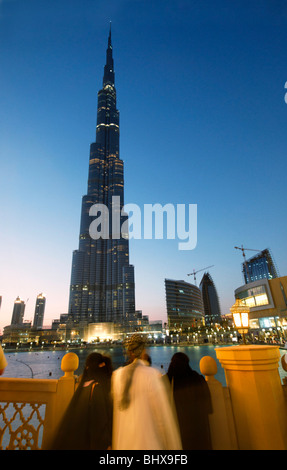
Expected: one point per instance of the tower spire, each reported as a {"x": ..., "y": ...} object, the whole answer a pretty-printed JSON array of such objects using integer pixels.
[
  {"x": 109, "y": 74},
  {"x": 110, "y": 36}
]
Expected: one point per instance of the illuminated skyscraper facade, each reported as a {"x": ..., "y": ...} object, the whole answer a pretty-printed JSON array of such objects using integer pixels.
[
  {"x": 18, "y": 312},
  {"x": 210, "y": 300},
  {"x": 260, "y": 266},
  {"x": 39, "y": 312},
  {"x": 183, "y": 304},
  {"x": 102, "y": 280}
]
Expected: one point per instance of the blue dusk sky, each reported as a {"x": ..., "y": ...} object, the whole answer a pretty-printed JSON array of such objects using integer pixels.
[{"x": 200, "y": 90}]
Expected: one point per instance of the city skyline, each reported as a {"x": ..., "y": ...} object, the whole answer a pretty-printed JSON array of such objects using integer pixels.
[{"x": 203, "y": 121}]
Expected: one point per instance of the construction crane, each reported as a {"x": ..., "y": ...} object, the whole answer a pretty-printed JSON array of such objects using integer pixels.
[
  {"x": 244, "y": 257},
  {"x": 199, "y": 270}
]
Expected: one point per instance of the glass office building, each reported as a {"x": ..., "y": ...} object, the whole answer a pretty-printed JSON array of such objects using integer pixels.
[
  {"x": 184, "y": 305},
  {"x": 102, "y": 280},
  {"x": 39, "y": 312},
  {"x": 210, "y": 300},
  {"x": 260, "y": 266},
  {"x": 18, "y": 312}
]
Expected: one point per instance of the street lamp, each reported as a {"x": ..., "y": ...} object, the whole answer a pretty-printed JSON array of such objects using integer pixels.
[{"x": 240, "y": 313}]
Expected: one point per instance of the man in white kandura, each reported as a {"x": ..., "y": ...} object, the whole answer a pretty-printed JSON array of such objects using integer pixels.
[{"x": 144, "y": 418}]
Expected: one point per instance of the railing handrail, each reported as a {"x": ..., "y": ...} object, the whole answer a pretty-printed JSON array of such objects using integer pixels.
[{"x": 32, "y": 385}]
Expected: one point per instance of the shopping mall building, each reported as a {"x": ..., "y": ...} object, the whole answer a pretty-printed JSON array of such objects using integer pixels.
[{"x": 267, "y": 299}]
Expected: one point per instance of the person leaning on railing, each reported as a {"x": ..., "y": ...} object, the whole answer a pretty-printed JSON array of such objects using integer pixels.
[{"x": 3, "y": 361}]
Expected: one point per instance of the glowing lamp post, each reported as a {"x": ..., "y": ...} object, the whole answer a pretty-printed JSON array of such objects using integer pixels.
[{"x": 240, "y": 314}]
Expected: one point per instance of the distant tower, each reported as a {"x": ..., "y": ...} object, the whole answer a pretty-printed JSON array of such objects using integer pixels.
[
  {"x": 128, "y": 293},
  {"x": 260, "y": 266},
  {"x": 18, "y": 312},
  {"x": 39, "y": 312},
  {"x": 210, "y": 300}
]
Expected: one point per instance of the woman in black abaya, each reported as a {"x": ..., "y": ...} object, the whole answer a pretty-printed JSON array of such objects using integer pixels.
[
  {"x": 87, "y": 423},
  {"x": 192, "y": 401}
]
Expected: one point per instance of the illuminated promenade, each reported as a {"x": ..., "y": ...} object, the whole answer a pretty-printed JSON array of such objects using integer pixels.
[{"x": 249, "y": 414}]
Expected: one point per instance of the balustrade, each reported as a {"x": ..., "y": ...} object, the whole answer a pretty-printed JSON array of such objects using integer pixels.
[
  {"x": 30, "y": 409},
  {"x": 250, "y": 413}
]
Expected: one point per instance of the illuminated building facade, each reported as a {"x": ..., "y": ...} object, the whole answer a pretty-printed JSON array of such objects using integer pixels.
[
  {"x": 260, "y": 266},
  {"x": 18, "y": 312},
  {"x": 184, "y": 305},
  {"x": 102, "y": 280},
  {"x": 39, "y": 311},
  {"x": 210, "y": 299},
  {"x": 267, "y": 300}
]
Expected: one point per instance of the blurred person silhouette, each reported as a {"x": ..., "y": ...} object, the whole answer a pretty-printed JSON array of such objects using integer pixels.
[
  {"x": 87, "y": 423},
  {"x": 143, "y": 418},
  {"x": 192, "y": 402},
  {"x": 3, "y": 361}
]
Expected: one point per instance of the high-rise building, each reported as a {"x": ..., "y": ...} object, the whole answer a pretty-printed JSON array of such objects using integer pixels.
[
  {"x": 210, "y": 300},
  {"x": 102, "y": 280},
  {"x": 39, "y": 312},
  {"x": 18, "y": 312},
  {"x": 184, "y": 305},
  {"x": 260, "y": 266},
  {"x": 129, "y": 293}
]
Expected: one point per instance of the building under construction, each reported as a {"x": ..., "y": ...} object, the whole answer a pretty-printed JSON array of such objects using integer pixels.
[{"x": 260, "y": 266}]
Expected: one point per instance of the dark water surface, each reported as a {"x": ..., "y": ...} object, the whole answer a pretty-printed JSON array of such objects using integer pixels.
[{"x": 47, "y": 364}]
